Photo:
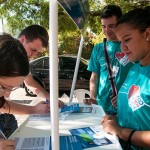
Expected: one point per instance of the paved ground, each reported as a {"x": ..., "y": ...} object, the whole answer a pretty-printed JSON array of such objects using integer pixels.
[{"x": 20, "y": 94}]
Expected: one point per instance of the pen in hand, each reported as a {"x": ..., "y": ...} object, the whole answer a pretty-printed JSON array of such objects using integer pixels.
[
  {"x": 2, "y": 136},
  {"x": 46, "y": 101}
]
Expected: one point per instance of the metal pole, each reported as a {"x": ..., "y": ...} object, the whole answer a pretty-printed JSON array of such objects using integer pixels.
[
  {"x": 53, "y": 61},
  {"x": 76, "y": 69}
]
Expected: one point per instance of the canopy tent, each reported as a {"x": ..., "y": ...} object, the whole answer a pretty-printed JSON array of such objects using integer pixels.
[{"x": 77, "y": 9}]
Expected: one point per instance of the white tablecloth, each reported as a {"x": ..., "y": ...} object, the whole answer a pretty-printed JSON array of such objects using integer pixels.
[{"x": 39, "y": 128}]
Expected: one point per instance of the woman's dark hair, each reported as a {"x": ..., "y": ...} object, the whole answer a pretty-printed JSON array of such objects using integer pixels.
[
  {"x": 138, "y": 18},
  {"x": 13, "y": 57},
  {"x": 111, "y": 10},
  {"x": 34, "y": 32},
  {"x": 2, "y": 102}
]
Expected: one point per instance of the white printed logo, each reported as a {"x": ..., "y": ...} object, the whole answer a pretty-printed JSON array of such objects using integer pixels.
[
  {"x": 135, "y": 100},
  {"x": 122, "y": 58}
]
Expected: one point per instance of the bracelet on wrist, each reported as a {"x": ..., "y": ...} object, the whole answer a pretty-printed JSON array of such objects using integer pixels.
[{"x": 128, "y": 143}]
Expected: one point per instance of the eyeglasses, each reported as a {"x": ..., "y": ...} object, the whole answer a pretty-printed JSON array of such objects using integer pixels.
[{"x": 7, "y": 90}]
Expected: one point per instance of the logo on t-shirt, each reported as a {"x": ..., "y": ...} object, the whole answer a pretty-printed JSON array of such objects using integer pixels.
[
  {"x": 134, "y": 98},
  {"x": 122, "y": 58}
]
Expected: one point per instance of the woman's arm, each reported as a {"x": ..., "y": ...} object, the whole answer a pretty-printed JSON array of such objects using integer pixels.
[
  {"x": 139, "y": 138},
  {"x": 15, "y": 108}
]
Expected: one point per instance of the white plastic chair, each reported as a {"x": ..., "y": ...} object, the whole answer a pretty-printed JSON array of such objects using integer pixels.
[{"x": 80, "y": 94}]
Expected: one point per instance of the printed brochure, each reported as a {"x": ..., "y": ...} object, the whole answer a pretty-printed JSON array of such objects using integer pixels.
[
  {"x": 78, "y": 108},
  {"x": 91, "y": 136}
]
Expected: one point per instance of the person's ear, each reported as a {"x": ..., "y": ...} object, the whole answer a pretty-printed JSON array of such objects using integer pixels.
[
  {"x": 147, "y": 34},
  {"x": 22, "y": 38}
]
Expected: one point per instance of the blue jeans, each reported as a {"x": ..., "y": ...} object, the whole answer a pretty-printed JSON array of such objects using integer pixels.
[{"x": 8, "y": 124}]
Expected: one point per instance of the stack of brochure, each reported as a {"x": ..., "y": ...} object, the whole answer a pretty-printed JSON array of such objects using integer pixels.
[{"x": 65, "y": 111}]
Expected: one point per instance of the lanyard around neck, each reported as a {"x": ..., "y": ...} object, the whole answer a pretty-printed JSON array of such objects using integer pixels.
[{"x": 109, "y": 69}]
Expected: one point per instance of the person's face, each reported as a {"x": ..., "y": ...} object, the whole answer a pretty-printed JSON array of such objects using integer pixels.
[
  {"x": 32, "y": 48},
  {"x": 108, "y": 27},
  {"x": 134, "y": 44},
  {"x": 8, "y": 84}
]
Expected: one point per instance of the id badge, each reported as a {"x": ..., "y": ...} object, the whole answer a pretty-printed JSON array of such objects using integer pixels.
[{"x": 115, "y": 70}]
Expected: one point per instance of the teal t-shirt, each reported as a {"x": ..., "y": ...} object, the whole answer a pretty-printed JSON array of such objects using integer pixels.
[
  {"x": 134, "y": 99},
  {"x": 120, "y": 67}
]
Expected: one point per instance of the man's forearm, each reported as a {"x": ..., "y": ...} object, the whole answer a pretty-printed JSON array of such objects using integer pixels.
[
  {"x": 92, "y": 89},
  {"x": 42, "y": 92},
  {"x": 93, "y": 85},
  {"x": 36, "y": 87}
]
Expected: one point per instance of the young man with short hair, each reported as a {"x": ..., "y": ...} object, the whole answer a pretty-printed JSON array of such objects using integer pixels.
[
  {"x": 34, "y": 39},
  {"x": 100, "y": 87}
]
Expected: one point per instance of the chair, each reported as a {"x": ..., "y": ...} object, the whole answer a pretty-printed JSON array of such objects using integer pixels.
[{"x": 80, "y": 94}]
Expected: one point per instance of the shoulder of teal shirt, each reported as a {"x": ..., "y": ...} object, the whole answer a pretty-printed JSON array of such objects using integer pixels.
[
  {"x": 95, "y": 56},
  {"x": 97, "y": 48},
  {"x": 113, "y": 41}
]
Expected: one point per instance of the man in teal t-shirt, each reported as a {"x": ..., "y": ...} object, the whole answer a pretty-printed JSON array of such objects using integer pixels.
[
  {"x": 100, "y": 87},
  {"x": 120, "y": 67}
]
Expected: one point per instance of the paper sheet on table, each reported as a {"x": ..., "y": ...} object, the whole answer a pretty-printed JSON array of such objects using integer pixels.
[
  {"x": 44, "y": 143},
  {"x": 37, "y": 117},
  {"x": 70, "y": 108}
]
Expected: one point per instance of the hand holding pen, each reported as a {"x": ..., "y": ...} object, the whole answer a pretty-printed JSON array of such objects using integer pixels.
[
  {"x": 6, "y": 144},
  {"x": 2, "y": 136},
  {"x": 114, "y": 100}
]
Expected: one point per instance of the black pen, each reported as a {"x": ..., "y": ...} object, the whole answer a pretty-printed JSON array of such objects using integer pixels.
[
  {"x": 46, "y": 102},
  {"x": 2, "y": 136}
]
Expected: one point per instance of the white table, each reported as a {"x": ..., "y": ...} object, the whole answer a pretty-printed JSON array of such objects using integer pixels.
[{"x": 32, "y": 128}]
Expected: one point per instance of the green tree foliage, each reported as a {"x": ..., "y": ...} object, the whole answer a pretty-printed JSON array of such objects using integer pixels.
[{"x": 22, "y": 13}]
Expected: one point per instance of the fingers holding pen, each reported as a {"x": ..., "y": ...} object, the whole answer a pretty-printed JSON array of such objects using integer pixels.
[
  {"x": 89, "y": 101},
  {"x": 114, "y": 100},
  {"x": 7, "y": 144},
  {"x": 111, "y": 126},
  {"x": 107, "y": 117}
]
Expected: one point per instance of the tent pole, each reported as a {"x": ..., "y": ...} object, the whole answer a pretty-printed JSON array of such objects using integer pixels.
[
  {"x": 53, "y": 61},
  {"x": 76, "y": 68}
]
